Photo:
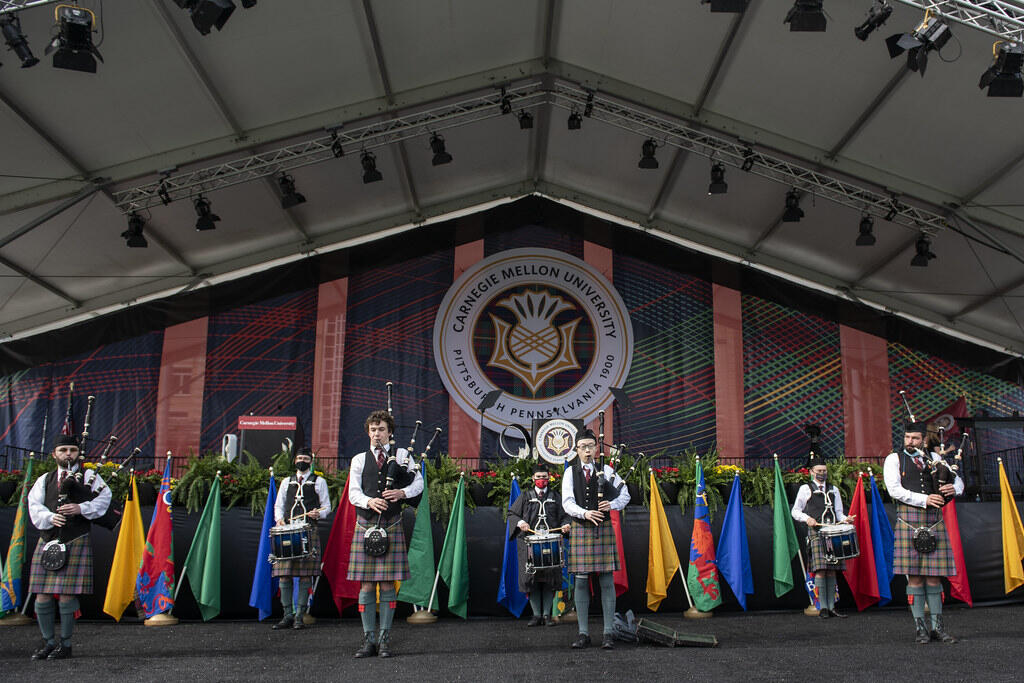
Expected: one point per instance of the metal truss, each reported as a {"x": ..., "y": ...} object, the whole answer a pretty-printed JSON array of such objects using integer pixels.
[
  {"x": 1000, "y": 18},
  {"x": 8, "y": 6}
]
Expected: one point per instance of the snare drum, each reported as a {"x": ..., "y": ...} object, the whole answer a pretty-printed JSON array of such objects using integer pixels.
[
  {"x": 838, "y": 541},
  {"x": 290, "y": 541},
  {"x": 543, "y": 551}
]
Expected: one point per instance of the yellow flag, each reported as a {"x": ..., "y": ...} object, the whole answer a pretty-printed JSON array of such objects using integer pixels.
[
  {"x": 662, "y": 558},
  {"x": 1013, "y": 535},
  {"x": 131, "y": 543}
]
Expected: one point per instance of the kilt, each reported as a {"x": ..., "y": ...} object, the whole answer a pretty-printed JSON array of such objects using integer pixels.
[
  {"x": 592, "y": 548},
  {"x": 392, "y": 566},
  {"x": 906, "y": 560},
  {"x": 816, "y": 555},
  {"x": 305, "y": 566},
  {"x": 74, "y": 578}
]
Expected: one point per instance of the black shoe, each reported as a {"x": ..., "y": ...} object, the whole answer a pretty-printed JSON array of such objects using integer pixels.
[
  {"x": 582, "y": 641},
  {"x": 824, "y": 613},
  {"x": 939, "y": 633},
  {"x": 923, "y": 635},
  {"x": 44, "y": 651},
  {"x": 299, "y": 623},
  {"x": 369, "y": 648},
  {"x": 837, "y": 614},
  {"x": 60, "y": 652},
  {"x": 287, "y": 621},
  {"x": 607, "y": 643},
  {"x": 535, "y": 620},
  {"x": 550, "y": 621},
  {"x": 384, "y": 644}
]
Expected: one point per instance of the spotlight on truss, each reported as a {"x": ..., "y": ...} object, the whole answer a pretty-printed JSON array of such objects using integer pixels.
[
  {"x": 441, "y": 155},
  {"x": 878, "y": 13},
  {"x": 133, "y": 236},
  {"x": 866, "y": 238},
  {"x": 718, "y": 184},
  {"x": 289, "y": 196},
  {"x": 924, "y": 252},
  {"x": 10, "y": 26},
  {"x": 734, "y": 6},
  {"x": 931, "y": 34},
  {"x": 806, "y": 15},
  {"x": 72, "y": 47},
  {"x": 525, "y": 120},
  {"x": 207, "y": 217},
  {"x": 208, "y": 14},
  {"x": 1003, "y": 78},
  {"x": 575, "y": 121},
  {"x": 793, "y": 212},
  {"x": 647, "y": 158},
  {"x": 370, "y": 172}
]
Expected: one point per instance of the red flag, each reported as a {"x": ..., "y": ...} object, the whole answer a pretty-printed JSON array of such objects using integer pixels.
[
  {"x": 155, "y": 583},
  {"x": 339, "y": 543},
  {"x": 946, "y": 418},
  {"x": 621, "y": 578},
  {"x": 860, "y": 571},
  {"x": 959, "y": 587}
]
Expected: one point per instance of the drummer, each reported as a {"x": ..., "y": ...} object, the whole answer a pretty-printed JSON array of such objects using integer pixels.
[
  {"x": 538, "y": 510},
  {"x": 816, "y": 503},
  {"x": 303, "y": 497}
]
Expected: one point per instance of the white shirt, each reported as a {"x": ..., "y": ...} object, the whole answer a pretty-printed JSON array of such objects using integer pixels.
[
  {"x": 569, "y": 491},
  {"x": 355, "y": 477},
  {"x": 894, "y": 482},
  {"x": 804, "y": 495},
  {"x": 321, "y": 491},
  {"x": 41, "y": 515}
]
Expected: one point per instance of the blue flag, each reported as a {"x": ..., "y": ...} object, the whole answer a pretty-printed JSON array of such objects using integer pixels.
[
  {"x": 264, "y": 587},
  {"x": 882, "y": 540},
  {"x": 733, "y": 554},
  {"x": 508, "y": 587}
]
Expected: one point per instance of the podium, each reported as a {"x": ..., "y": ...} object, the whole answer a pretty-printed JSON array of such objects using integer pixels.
[{"x": 266, "y": 436}]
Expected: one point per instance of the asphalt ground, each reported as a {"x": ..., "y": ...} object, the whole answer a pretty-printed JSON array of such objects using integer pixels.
[{"x": 760, "y": 646}]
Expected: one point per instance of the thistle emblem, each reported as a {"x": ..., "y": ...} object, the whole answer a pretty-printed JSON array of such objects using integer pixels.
[{"x": 533, "y": 349}]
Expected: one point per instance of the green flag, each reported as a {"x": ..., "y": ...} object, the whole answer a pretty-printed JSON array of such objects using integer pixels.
[
  {"x": 10, "y": 577},
  {"x": 784, "y": 543},
  {"x": 202, "y": 566},
  {"x": 454, "y": 564},
  {"x": 417, "y": 588}
]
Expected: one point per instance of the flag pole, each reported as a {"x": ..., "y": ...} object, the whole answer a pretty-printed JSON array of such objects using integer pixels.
[{"x": 166, "y": 618}]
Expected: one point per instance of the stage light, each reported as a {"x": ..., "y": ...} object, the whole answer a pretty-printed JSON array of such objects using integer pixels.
[
  {"x": 441, "y": 156},
  {"x": 162, "y": 192},
  {"x": 931, "y": 34},
  {"x": 866, "y": 238},
  {"x": 1003, "y": 78},
  {"x": 748, "y": 160},
  {"x": 336, "y": 148},
  {"x": 924, "y": 252},
  {"x": 891, "y": 213},
  {"x": 72, "y": 47},
  {"x": 718, "y": 184},
  {"x": 370, "y": 172},
  {"x": 806, "y": 15},
  {"x": 208, "y": 14},
  {"x": 878, "y": 13},
  {"x": 793, "y": 212},
  {"x": 734, "y": 6},
  {"x": 575, "y": 121},
  {"x": 525, "y": 120},
  {"x": 207, "y": 217},
  {"x": 506, "y": 102},
  {"x": 133, "y": 236},
  {"x": 248, "y": 4},
  {"x": 647, "y": 150},
  {"x": 588, "y": 109},
  {"x": 289, "y": 197},
  {"x": 10, "y": 26}
]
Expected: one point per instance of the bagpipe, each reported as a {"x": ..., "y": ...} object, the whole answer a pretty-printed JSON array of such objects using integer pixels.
[{"x": 942, "y": 471}]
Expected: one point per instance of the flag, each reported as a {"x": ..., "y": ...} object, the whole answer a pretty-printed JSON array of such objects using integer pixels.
[
  {"x": 702, "y": 576},
  {"x": 454, "y": 563},
  {"x": 264, "y": 586},
  {"x": 959, "y": 586},
  {"x": 861, "y": 573},
  {"x": 1013, "y": 535},
  {"x": 509, "y": 594},
  {"x": 418, "y": 587},
  {"x": 68, "y": 429},
  {"x": 946, "y": 417},
  {"x": 154, "y": 589},
  {"x": 733, "y": 552},
  {"x": 10, "y": 580},
  {"x": 619, "y": 576},
  {"x": 131, "y": 544},
  {"x": 812, "y": 590},
  {"x": 339, "y": 543},
  {"x": 662, "y": 557},
  {"x": 202, "y": 564},
  {"x": 784, "y": 543},
  {"x": 882, "y": 541}
]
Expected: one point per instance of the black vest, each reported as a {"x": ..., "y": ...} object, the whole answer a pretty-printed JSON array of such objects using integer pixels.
[
  {"x": 913, "y": 479},
  {"x": 76, "y": 525},
  {"x": 309, "y": 495},
  {"x": 374, "y": 482},
  {"x": 586, "y": 492},
  {"x": 816, "y": 505}
]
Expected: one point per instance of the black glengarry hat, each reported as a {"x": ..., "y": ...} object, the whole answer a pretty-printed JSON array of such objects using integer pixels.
[{"x": 66, "y": 440}]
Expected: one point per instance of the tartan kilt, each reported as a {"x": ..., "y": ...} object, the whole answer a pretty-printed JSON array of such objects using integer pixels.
[
  {"x": 74, "y": 578},
  {"x": 392, "y": 566},
  {"x": 816, "y": 555},
  {"x": 592, "y": 548},
  {"x": 304, "y": 566},
  {"x": 906, "y": 560}
]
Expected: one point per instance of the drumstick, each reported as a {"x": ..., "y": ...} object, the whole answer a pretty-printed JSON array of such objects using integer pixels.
[{"x": 308, "y": 512}]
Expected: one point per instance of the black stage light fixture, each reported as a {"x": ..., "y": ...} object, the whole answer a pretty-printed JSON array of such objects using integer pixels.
[
  {"x": 207, "y": 217},
  {"x": 575, "y": 121},
  {"x": 525, "y": 120},
  {"x": 133, "y": 236},
  {"x": 924, "y": 252},
  {"x": 248, "y": 4},
  {"x": 208, "y": 14},
  {"x": 162, "y": 192},
  {"x": 506, "y": 102},
  {"x": 647, "y": 150},
  {"x": 718, "y": 184},
  {"x": 10, "y": 26},
  {"x": 441, "y": 156},
  {"x": 72, "y": 47},
  {"x": 793, "y": 212},
  {"x": 931, "y": 34},
  {"x": 336, "y": 148},
  {"x": 370, "y": 172},
  {"x": 1003, "y": 78},
  {"x": 734, "y": 6},
  {"x": 748, "y": 160},
  {"x": 893, "y": 210},
  {"x": 289, "y": 197},
  {"x": 866, "y": 238},
  {"x": 588, "y": 109},
  {"x": 878, "y": 13},
  {"x": 806, "y": 15}
]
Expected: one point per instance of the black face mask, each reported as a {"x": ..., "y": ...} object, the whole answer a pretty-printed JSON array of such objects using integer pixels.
[{"x": 302, "y": 466}]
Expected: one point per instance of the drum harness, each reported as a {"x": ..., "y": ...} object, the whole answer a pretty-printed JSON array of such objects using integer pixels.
[{"x": 542, "y": 527}]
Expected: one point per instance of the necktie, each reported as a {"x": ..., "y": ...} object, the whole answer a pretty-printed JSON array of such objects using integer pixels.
[
  {"x": 63, "y": 476},
  {"x": 300, "y": 479},
  {"x": 586, "y": 471},
  {"x": 919, "y": 462},
  {"x": 380, "y": 458}
]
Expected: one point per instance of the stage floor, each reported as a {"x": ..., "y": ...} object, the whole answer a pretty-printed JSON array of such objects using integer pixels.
[{"x": 758, "y": 646}]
